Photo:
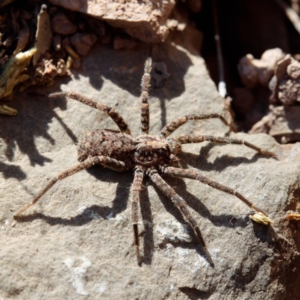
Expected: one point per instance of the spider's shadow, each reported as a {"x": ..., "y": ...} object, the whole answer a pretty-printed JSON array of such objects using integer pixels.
[
  {"x": 176, "y": 61},
  {"x": 227, "y": 220},
  {"x": 119, "y": 204},
  {"x": 30, "y": 124},
  {"x": 21, "y": 131},
  {"x": 230, "y": 221},
  {"x": 221, "y": 163},
  {"x": 120, "y": 201},
  {"x": 35, "y": 113}
]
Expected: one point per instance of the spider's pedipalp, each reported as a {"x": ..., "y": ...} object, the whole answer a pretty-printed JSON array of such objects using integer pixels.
[
  {"x": 169, "y": 192},
  {"x": 186, "y": 173},
  {"x": 102, "y": 160},
  {"x": 189, "y": 139},
  {"x": 136, "y": 190},
  {"x": 145, "y": 84},
  {"x": 115, "y": 115},
  {"x": 171, "y": 127}
]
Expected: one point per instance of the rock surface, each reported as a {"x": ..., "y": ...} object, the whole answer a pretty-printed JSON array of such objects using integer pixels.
[
  {"x": 282, "y": 122},
  {"x": 145, "y": 20},
  {"x": 83, "y": 42},
  {"x": 78, "y": 240},
  {"x": 259, "y": 71},
  {"x": 285, "y": 83},
  {"x": 62, "y": 25}
]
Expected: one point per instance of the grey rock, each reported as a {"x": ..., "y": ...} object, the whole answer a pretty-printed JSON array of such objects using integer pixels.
[
  {"x": 281, "y": 122},
  {"x": 77, "y": 241}
]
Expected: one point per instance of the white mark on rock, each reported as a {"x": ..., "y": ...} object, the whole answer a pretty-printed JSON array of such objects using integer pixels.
[
  {"x": 101, "y": 288},
  {"x": 190, "y": 259},
  {"x": 5, "y": 224},
  {"x": 111, "y": 217},
  {"x": 214, "y": 253},
  {"x": 146, "y": 223},
  {"x": 81, "y": 209},
  {"x": 89, "y": 213},
  {"x": 77, "y": 273},
  {"x": 173, "y": 231}
]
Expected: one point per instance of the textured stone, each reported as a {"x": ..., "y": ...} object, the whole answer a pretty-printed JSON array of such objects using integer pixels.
[
  {"x": 62, "y": 25},
  {"x": 83, "y": 42},
  {"x": 145, "y": 20},
  {"x": 259, "y": 71},
  {"x": 285, "y": 83},
  {"x": 78, "y": 239},
  {"x": 281, "y": 122}
]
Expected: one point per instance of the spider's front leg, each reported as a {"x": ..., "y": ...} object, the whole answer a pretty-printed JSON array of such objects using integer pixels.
[
  {"x": 189, "y": 139},
  {"x": 186, "y": 173},
  {"x": 115, "y": 115},
  {"x": 172, "y": 126},
  {"x": 102, "y": 160},
  {"x": 169, "y": 192},
  {"x": 145, "y": 84}
]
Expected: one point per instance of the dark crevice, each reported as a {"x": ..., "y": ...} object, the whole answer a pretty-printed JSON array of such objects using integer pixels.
[
  {"x": 195, "y": 294},
  {"x": 246, "y": 27}
]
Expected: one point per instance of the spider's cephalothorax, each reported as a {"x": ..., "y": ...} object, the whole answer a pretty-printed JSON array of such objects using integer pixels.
[
  {"x": 150, "y": 150},
  {"x": 151, "y": 155}
]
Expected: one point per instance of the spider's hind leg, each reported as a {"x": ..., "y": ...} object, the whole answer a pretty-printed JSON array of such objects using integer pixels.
[
  {"x": 169, "y": 192},
  {"x": 102, "y": 160},
  {"x": 186, "y": 173}
]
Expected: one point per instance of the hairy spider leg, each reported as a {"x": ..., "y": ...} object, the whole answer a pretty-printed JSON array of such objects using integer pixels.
[
  {"x": 169, "y": 192},
  {"x": 188, "y": 139},
  {"x": 102, "y": 160},
  {"x": 145, "y": 84},
  {"x": 115, "y": 115},
  {"x": 136, "y": 190},
  {"x": 186, "y": 173},
  {"x": 172, "y": 126}
]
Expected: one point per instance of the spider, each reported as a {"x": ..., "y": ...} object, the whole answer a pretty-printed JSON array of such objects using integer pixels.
[{"x": 146, "y": 155}]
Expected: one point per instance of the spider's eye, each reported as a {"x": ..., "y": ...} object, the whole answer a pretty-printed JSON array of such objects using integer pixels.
[{"x": 151, "y": 156}]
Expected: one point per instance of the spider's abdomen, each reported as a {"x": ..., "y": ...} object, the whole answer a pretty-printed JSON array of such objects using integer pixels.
[{"x": 114, "y": 144}]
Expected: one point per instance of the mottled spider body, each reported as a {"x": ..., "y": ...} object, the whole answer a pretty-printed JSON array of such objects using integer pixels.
[
  {"x": 110, "y": 143},
  {"x": 150, "y": 155},
  {"x": 150, "y": 150},
  {"x": 144, "y": 150}
]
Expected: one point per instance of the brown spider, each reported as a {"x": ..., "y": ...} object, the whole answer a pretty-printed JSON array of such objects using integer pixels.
[{"x": 150, "y": 155}]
